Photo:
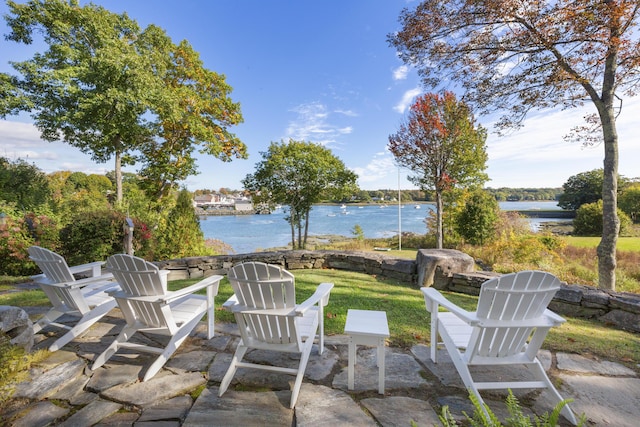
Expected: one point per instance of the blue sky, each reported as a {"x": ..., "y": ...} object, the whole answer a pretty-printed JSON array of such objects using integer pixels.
[{"x": 320, "y": 71}]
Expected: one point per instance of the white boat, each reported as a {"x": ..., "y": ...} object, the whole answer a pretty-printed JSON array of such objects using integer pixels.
[
  {"x": 416, "y": 207},
  {"x": 343, "y": 206}
]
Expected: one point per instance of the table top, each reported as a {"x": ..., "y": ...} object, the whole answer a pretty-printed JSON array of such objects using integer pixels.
[{"x": 367, "y": 322}]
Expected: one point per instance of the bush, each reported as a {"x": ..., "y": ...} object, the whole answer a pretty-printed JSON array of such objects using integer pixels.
[
  {"x": 588, "y": 220},
  {"x": 476, "y": 221},
  {"x": 14, "y": 241},
  {"x": 92, "y": 236}
]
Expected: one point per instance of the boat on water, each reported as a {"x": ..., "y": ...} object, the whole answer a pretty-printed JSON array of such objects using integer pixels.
[{"x": 416, "y": 207}]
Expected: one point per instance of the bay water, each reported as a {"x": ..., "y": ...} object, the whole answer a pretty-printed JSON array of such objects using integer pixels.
[{"x": 250, "y": 233}]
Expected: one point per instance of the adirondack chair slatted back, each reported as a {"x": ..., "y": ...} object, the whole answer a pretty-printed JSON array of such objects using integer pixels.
[
  {"x": 261, "y": 285},
  {"x": 265, "y": 286},
  {"x": 511, "y": 298},
  {"x": 138, "y": 277},
  {"x": 56, "y": 270},
  {"x": 53, "y": 266}
]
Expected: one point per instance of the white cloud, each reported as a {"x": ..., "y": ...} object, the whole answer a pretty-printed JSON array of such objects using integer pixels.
[
  {"x": 313, "y": 123},
  {"x": 378, "y": 168},
  {"x": 348, "y": 113},
  {"x": 401, "y": 72},
  {"x": 407, "y": 98}
]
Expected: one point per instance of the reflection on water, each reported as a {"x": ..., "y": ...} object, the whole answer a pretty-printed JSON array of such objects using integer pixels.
[{"x": 248, "y": 233}]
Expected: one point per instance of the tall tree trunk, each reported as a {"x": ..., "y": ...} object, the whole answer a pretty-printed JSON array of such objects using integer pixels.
[
  {"x": 438, "y": 219},
  {"x": 610, "y": 221},
  {"x": 293, "y": 230},
  {"x": 118, "y": 172},
  {"x": 306, "y": 229}
]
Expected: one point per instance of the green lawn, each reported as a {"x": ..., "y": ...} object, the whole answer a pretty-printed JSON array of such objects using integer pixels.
[
  {"x": 631, "y": 244},
  {"x": 406, "y": 313}
]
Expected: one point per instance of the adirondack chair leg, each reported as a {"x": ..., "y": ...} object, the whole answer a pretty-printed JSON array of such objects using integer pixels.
[
  {"x": 45, "y": 320},
  {"x": 321, "y": 327},
  {"x": 237, "y": 358},
  {"x": 540, "y": 374},
  {"x": 124, "y": 336},
  {"x": 171, "y": 347},
  {"x": 83, "y": 324},
  {"x": 301, "y": 368}
]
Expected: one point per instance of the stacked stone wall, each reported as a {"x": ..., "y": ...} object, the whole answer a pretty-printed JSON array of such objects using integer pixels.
[{"x": 446, "y": 270}]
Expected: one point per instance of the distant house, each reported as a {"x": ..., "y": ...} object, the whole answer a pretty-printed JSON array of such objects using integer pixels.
[
  {"x": 206, "y": 199},
  {"x": 243, "y": 205}
]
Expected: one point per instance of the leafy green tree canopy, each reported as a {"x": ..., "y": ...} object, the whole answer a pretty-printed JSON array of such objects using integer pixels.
[
  {"x": 298, "y": 174},
  {"x": 113, "y": 90},
  {"x": 23, "y": 185},
  {"x": 476, "y": 221}
]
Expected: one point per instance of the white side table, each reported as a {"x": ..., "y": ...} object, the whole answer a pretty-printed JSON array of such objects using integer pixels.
[{"x": 366, "y": 327}]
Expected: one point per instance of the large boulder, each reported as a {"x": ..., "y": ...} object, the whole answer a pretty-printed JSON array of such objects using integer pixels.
[
  {"x": 437, "y": 266},
  {"x": 15, "y": 323}
]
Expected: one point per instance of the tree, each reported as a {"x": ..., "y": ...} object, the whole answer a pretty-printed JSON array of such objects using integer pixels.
[
  {"x": 585, "y": 187},
  {"x": 588, "y": 220},
  {"x": 23, "y": 185},
  {"x": 93, "y": 86},
  {"x": 113, "y": 90},
  {"x": 197, "y": 112},
  {"x": 441, "y": 144},
  {"x": 182, "y": 236},
  {"x": 299, "y": 174},
  {"x": 516, "y": 56},
  {"x": 476, "y": 221},
  {"x": 629, "y": 201}
]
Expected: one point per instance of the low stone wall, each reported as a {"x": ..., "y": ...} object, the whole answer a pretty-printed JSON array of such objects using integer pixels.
[
  {"x": 445, "y": 270},
  {"x": 364, "y": 262}
]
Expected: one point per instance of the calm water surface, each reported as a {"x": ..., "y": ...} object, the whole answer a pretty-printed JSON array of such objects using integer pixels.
[{"x": 248, "y": 233}]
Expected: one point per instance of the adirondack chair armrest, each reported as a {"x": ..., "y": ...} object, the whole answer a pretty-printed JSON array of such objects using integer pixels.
[
  {"x": 432, "y": 295},
  {"x": 321, "y": 295},
  {"x": 94, "y": 267},
  {"x": 555, "y": 318},
  {"x": 108, "y": 277},
  {"x": 230, "y": 303},
  {"x": 208, "y": 281},
  {"x": 291, "y": 312}
]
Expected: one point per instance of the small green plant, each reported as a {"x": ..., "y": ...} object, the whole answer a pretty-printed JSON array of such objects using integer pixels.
[
  {"x": 484, "y": 417},
  {"x": 358, "y": 233},
  {"x": 14, "y": 365}
]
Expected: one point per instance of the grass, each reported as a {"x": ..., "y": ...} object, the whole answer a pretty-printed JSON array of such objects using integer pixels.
[
  {"x": 406, "y": 313},
  {"x": 631, "y": 244},
  {"x": 409, "y": 320}
]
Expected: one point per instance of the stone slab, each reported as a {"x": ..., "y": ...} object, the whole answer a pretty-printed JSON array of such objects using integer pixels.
[
  {"x": 194, "y": 361},
  {"x": 399, "y": 411},
  {"x": 401, "y": 371},
  {"x": 48, "y": 382},
  {"x": 323, "y": 406},
  {"x": 175, "y": 409},
  {"x": 39, "y": 415},
  {"x": 606, "y": 401},
  {"x": 578, "y": 363},
  {"x": 91, "y": 414},
  {"x": 240, "y": 409},
  {"x": 161, "y": 387}
]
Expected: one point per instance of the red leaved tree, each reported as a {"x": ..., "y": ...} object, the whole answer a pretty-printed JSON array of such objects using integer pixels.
[{"x": 442, "y": 145}]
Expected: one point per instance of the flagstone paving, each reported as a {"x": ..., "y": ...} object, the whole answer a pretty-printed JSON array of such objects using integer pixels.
[{"x": 63, "y": 391}]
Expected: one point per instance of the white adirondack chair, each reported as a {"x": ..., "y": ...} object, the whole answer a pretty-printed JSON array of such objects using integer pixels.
[
  {"x": 148, "y": 307},
  {"x": 507, "y": 329},
  {"x": 85, "y": 298},
  {"x": 268, "y": 317}
]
